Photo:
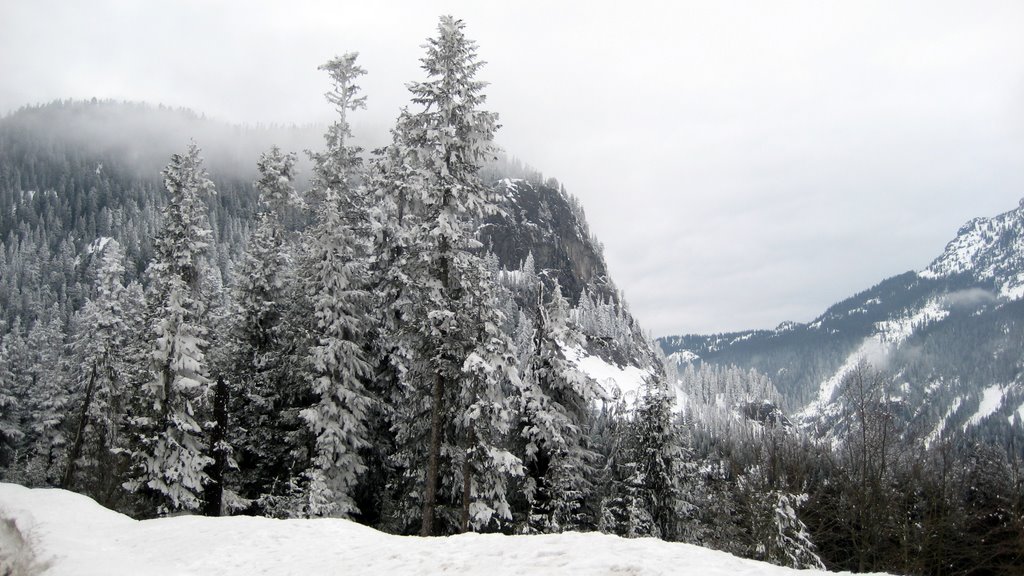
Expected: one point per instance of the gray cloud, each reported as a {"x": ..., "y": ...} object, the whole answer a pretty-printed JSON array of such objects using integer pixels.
[
  {"x": 969, "y": 298},
  {"x": 743, "y": 163}
]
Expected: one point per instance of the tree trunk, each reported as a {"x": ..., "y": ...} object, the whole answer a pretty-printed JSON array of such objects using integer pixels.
[
  {"x": 214, "y": 492},
  {"x": 83, "y": 421},
  {"x": 437, "y": 394},
  {"x": 433, "y": 462},
  {"x": 467, "y": 488}
]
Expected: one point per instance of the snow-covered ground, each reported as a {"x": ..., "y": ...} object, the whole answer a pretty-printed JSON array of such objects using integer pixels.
[
  {"x": 991, "y": 399},
  {"x": 72, "y": 535},
  {"x": 936, "y": 434},
  {"x": 871, "y": 349},
  {"x": 896, "y": 330},
  {"x": 626, "y": 381}
]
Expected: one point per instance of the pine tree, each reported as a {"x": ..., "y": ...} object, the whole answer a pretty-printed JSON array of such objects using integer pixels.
[
  {"x": 263, "y": 276},
  {"x": 102, "y": 329},
  {"x": 14, "y": 377},
  {"x": 774, "y": 531},
  {"x": 45, "y": 402},
  {"x": 335, "y": 270},
  {"x": 555, "y": 408},
  {"x": 399, "y": 422},
  {"x": 338, "y": 420},
  {"x": 791, "y": 538},
  {"x": 260, "y": 375},
  {"x": 613, "y": 494},
  {"x": 655, "y": 457},
  {"x": 445, "y": 144},
  {"x": 172, "y": 455},
  {"x": 12, "y": 347},
  {"x": 483, "y": 413}
]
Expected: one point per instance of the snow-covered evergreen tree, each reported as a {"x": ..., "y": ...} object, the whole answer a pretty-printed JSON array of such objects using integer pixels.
[
  {"x": 260, "y": 372},
  {"x": 791, "y": 539},
  {"x": 613, "y": 495},
  {"x": 555, "y": 407},
  {"x": 655, "y": 455},
  {"x": 335, "y": 271},
  {"x": 15, "y": 406},
  {"x": 11, "y": 347},
  {"x": 777, "y": 533},
  {"x": 101, "y": 333},
  {"x": 484, "y": 416},
  {"x": 263, "y": 275},
  {"x": 397, "y": 275},
  {"x": 438, "y": 152},
  {"x": 45, "y": 402},
  {"x": 338, "y": 419},
  {"x": 172, "y": 455}
]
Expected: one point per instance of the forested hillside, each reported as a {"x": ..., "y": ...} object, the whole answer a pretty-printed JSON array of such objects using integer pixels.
[
  {"x": 913, "y": 391},
  {"x": 947, "y": 339},
  {"x": 386, "y": 336}
]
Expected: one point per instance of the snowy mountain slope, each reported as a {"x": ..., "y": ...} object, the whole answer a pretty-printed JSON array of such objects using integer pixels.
[
  {"x": 72, "y": 535},
  {"x": 947, "y": 336},
  {"x": 625, "y": 382},
  {"x": 987, "y": 249}
]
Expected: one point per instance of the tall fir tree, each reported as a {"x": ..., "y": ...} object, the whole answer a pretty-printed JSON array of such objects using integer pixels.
[
  {"x": 335, "y": 272},
  {"x": 172, "y": 454},
  {"x": 260, "y": 375},
  {"x": 483, "y": 412},
  {"x": 46, "y": 401},
  {"x": 11, "y": 433},
  {"x": 264, "y": 273},
  {"x": 656, "y": 457},
  {"x": 442, "y": 146},
  {"x": 403, "y": 416},
  {"x": 16, "y": 436}
]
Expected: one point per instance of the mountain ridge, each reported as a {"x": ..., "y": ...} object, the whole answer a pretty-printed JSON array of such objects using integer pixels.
[{"x": 946, "y": 335}]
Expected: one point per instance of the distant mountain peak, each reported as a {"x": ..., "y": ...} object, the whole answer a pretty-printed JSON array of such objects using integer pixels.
[
  {"x": 988, "y": 249},
  {"x": 948, "y": 341}
]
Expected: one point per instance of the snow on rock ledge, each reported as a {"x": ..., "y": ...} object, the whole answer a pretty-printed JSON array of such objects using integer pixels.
[
  {"x": 74, "y": 535},
  {"x": 623, "y": 382}
]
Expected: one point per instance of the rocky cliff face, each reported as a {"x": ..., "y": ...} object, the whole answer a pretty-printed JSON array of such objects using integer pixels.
[
  {"x": 542, "y": 220},
  {"x": 545, "y": 222}
]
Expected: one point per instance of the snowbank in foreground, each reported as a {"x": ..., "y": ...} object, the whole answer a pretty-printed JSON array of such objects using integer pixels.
[{"x": 73, "y": 535}]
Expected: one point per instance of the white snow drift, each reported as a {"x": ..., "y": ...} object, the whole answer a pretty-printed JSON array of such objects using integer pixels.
[{"x": 72, "y": 535}]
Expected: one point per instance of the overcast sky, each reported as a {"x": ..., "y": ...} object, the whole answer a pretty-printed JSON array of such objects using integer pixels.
[{"x": 744, "y": 163}]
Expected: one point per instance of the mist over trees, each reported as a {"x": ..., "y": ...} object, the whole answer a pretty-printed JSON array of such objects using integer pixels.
[{"x": 374, "y": 338}]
